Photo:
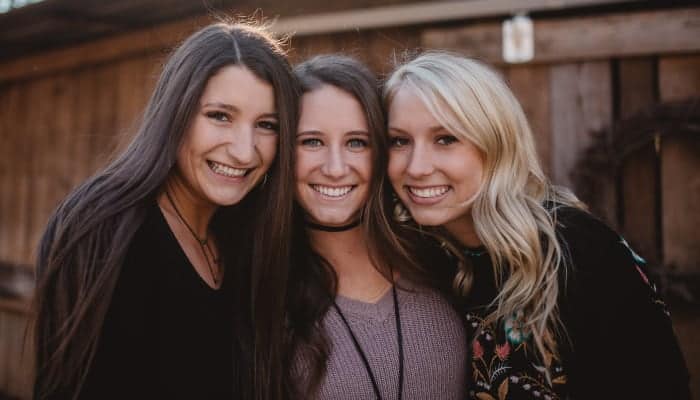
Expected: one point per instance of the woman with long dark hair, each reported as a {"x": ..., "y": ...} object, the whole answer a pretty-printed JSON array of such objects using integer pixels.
[
  {"x": 146, "y": 270},
  {"x": 364, "y": 322},
  {"x": 557, "y": 304}
]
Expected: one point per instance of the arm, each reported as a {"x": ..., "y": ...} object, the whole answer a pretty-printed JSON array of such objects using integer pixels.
[{"x": 623, "y": 341}]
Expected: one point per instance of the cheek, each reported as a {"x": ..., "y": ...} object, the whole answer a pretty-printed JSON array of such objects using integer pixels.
[
  {"x": 268, "y": 149},
  {"x": 397, "y": 165}
]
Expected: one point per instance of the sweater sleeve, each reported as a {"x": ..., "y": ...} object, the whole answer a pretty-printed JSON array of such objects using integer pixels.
[{"x": 622, "y": 340}]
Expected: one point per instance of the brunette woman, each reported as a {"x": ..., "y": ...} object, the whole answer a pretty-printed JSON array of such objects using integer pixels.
[
  {"x": 362, "y": 321},
  {"x": 557, "y": 304},
  {"x": 145, "y": 269}
]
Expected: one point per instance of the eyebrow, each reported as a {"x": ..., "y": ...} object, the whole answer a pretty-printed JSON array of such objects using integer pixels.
[
  {"x": 433, "y": 129},
  {"x": 221, "y": 105},
  {"x": 233, "y": 108},
  {"x": 317, "y": 132}
]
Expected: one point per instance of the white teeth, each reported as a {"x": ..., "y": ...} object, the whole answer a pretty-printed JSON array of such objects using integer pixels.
[
  {"x": 332, "y": 191},
  {"x": 225, "y": 170},
  {"x": 434, "y": 191}
]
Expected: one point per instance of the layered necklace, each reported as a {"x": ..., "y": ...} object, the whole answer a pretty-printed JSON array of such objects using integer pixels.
[
  {"x": 356, "y": 343},
  {"x": 363, "y": 356},
  {"x": 203, "y": 242}
]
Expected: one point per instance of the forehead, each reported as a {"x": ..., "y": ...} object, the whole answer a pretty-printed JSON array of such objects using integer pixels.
[
  {"x": 408, "y": 111},
  {"x": 329, "y": 108},
  {"x": 238, "y": 86}
]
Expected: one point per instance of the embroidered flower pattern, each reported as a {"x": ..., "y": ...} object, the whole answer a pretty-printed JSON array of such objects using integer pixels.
[{"x": 502, "y": 368}]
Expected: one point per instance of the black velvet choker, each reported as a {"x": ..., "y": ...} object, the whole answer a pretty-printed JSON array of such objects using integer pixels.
[{"x": 326, "y": 228}]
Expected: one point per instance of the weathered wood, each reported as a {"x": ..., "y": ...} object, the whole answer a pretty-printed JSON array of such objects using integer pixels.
[
  {"x": 100, "y": 51},
  {"x": 530, "y": 84},
  {"x": 580, "y": 105},
  {"x": 680, "y": 182},
  {"x": 582, "y": 38},
  {"x": 41, "y": 175},
  {"x": 679, "y": 77},
  {"x": 640, "y": 186},
  {"x": 102, "y": 135},
  {"x": 637, "y": 85},
  {"x": 640, "y": 189}
]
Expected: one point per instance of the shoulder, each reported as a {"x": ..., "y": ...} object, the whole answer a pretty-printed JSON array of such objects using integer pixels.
[{"x": 589, "y": 244}]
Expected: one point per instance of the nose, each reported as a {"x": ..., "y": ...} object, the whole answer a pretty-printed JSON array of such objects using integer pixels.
[
  {"x": 335, "y": 165},
  {"x": 242, "y": 145},
  {"x": 420, "y": 163}
]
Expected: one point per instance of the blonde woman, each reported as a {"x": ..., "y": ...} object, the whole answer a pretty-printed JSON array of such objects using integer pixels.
[{"x": 556, "y": 303}]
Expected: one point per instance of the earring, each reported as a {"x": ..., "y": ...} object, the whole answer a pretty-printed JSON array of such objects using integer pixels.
[
  {"x": 264, "y": 180},
  {"x": 400, "y": 213}
]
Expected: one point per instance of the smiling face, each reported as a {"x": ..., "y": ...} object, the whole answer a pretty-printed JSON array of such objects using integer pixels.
[
  {"x": 435, "y": 173},
  {"x": 333, "y": 157},
  {"x": 231, "y": 140}
]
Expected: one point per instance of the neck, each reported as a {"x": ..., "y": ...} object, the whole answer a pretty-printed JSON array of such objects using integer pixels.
[
  {"x": 348, "y": 254},
  {"x": 463, "y": 230},
  {"x": 196, "y": 211}
]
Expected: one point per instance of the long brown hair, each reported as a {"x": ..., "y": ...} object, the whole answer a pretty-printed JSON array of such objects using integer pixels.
[
  {"x": 87, "y": 237},
  {"x": 313, "y": 282}
]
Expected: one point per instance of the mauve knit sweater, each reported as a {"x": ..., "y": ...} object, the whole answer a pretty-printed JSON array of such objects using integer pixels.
[{"x": 434, "y": 341}]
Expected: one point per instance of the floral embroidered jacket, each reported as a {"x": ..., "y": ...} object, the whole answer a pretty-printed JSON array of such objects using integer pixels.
[{"x": 620, "y": 341}]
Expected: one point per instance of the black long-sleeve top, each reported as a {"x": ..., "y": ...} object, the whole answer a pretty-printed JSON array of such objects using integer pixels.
[
  {"x": 167, "y": 334},
  {"x": 620, "y": 344}
]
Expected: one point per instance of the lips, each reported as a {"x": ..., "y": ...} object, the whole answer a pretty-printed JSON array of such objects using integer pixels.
[
  {"x": 227, "y": 170},
  {"x": 428, "y": 192},
  {"x": 333, "y": 191}
]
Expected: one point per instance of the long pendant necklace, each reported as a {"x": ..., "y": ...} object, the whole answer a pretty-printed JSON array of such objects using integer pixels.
[
  {"x": 203, "y": 242},
  {"x": 363, "y": 356}
]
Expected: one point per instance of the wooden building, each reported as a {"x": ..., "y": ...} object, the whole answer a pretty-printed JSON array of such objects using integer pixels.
[{"x": 612, "y": 95}]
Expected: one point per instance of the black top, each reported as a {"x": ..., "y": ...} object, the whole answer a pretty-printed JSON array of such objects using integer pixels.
[
  {"x": 622, "y": 345},
  {"x": 167, "y": 334}
]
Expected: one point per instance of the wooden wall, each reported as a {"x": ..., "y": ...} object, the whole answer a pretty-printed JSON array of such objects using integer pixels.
[{"x": 63, "y": 112}]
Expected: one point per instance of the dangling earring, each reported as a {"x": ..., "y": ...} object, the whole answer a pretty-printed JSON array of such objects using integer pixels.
[
  {"x": 264, "y": 180},
  {"x": 400, "y": 213}
]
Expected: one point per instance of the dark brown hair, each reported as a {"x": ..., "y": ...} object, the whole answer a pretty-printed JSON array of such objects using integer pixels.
[
  {"x": 313, "y": 282},
  {"x": 81, "y": 252}
]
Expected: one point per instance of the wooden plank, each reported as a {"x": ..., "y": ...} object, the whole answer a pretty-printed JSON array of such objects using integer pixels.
[
  {"x": 640, "y": 186},
  {"x": 679, "y": 77},
  {"x": 39, "y": 151},
  {"x": 20, "y": 160},
  {"x": 530, "y": 84},
  {"x": 580, "y": 105},
  {"x": 637, "y": 86},
  {"x": 680, "y": 182},
  {"x": 17, "y": 377},
  {"x": 87, "y": 89},
  {"x": 7, "y": 93},
  {"x": 582, "y": 38},
  {"x": 103, "y": 132},
  {"x": 143, "y": 41}
]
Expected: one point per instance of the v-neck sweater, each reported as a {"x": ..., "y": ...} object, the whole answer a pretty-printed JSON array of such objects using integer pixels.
[{"x": 435, "y": 355}]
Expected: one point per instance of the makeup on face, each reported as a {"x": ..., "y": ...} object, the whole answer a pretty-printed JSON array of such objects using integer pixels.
[
  {"x": 435, "y": 173},
  {"x": 232, "y": 138},
  {"x": 333, "y": 157}
]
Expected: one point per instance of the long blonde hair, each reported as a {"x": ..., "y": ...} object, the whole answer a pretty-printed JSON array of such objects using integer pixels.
[{"x": 514, "y": 211}]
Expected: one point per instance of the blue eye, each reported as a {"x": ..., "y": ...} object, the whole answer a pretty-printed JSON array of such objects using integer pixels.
[
  {"x": 357, "y": 143},
  {"x": 446, "y": 140},
  {"x": 218, "y": 116},
  {"x": 269, "y": 125},
  {"x": 397, "y": 141},
  {"x": 312, "y": 142}
]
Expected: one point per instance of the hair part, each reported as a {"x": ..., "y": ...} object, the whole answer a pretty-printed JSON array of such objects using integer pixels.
[
  {"x": 84, "y": 245},
  {"x": 514, "y": 211}
]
